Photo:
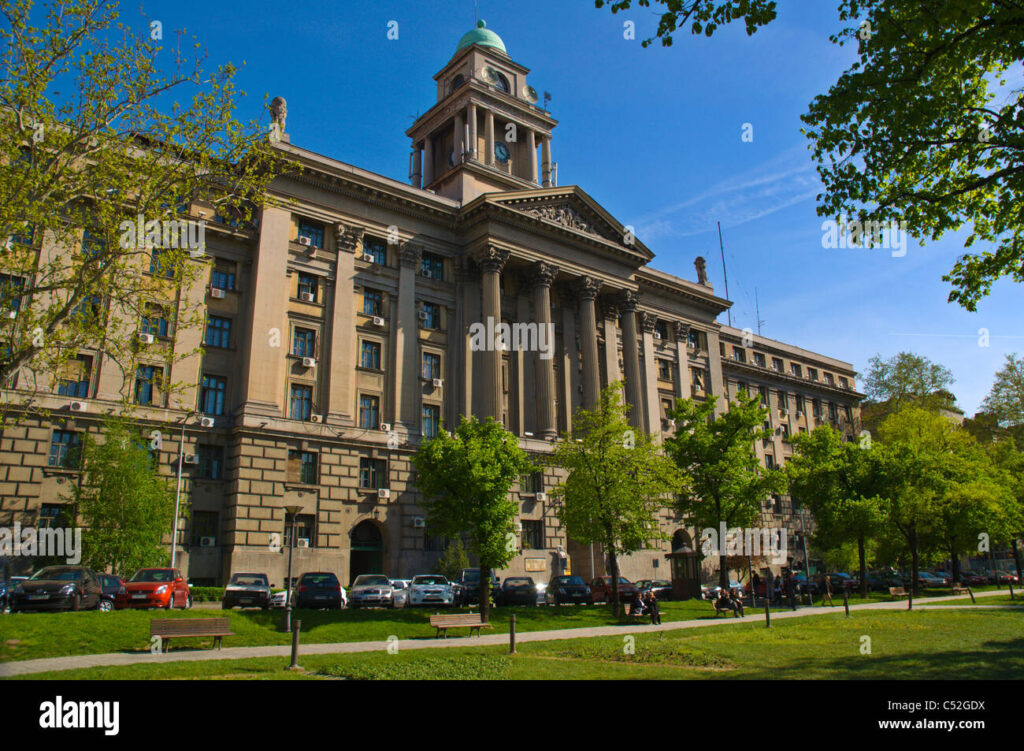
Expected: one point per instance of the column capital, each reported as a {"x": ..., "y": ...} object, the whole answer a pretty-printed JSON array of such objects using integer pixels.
[
  {"x": 609, "y": 308},
  {"x": 647, "y": 322},
  {"x": 542, "y": 274},
  {"x": 410, "y": 255},
  {"x": 682, "y": 331},
  {"x": 629, "y": 301},
  {"x": 491, "y": 259},
  {"x": 346, "y": 236},
  {"x": 586, "y": 288}
]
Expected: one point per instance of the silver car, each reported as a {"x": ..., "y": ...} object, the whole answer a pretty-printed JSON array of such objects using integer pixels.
[
  {"x": 431, "y": 589},
  {"x": 401, "y": 592},
  {"x": 371, "y": 590}
]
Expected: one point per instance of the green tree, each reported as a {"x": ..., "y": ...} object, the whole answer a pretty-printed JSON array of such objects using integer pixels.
[
  {"x": 905, "y": 376},
  {"x": 452, "y": 560},
  {"x": 125, "y": 506},
  {"x": 1006, "y": 399},
  {"x": 836, "y": 480},
  {"x": 101, "y": 130},
  {"x": 703, "y": 16},
  {"x": 618, "y": 481},
  {"x": 465, "y": 479},
  {"x": 727, "y": 483}
]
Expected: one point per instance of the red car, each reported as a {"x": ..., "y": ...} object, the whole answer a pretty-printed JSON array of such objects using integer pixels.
[
  {"x": 601, "y": 589},
  {"x": 156, "y": 588}
]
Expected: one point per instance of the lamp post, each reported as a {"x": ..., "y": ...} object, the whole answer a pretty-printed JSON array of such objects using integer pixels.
[
  {"x": 177, "y": 495},
  {"x": 290, "y": 511}
]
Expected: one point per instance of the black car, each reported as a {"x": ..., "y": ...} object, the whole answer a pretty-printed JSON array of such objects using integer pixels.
[
  {"x": 563, "y": 589},
  {"x": 247, "y": 590},
  {"x": 467, "y": 591},
  {"x": 661, "y": 587},
  {"x": 58, "y": 588},
  {"x": 5, "y": 602},
  {"x": 517, "y": 590},
  {"x": 112, "y": 586},
  {"x": 319, "y": 589}
]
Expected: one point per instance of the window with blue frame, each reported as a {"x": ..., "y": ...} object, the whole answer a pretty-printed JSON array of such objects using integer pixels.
[
  {"x": 313, "y": 230},
  {"x": 65, "y": 446},
  {"x": 155, "y": 321},
  {"x": 213, "y": 395},
  {"x": 301, "y": 403},
  {"x": 377, "y": 248},
  {"x": 223, "y": 276},
  {"x": 92, "y": 244},
  {"x": 211, "y": 462},
  {"x": 218, "y": 332},
  {"x": 88, "y": 310},
  {"x": 147, "y": 384},
  {"x": 308, "y": 287},
  {"x": 431, "y": 420},
  {"x": 11, "y": 290},
  {"x": 77, "y": 375},
  {"x": 431, "y": 365},
  {"x": 160, "y": 264},
  {"x": 432, "y": 317},
  {"x": 25, "y": 237},
  {"x": 432, "y": 266},
  {"x": 370, "y": 355},
  {"x": 373, "y": 302},
  {"x": 304, "y": 342},
  {"x": 369, "y": 412}
]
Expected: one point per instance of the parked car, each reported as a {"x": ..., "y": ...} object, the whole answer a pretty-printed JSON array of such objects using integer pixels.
[
  {"x": 601, "y": 589},
  {"x": 563, "y": 589},
  {"x": 401, "y": 591},
  {"x": 372, "y": 590},
  {"x": 662, "y": 587},
  {"x": 431, "y": 589},
  {"x": 58, "y": 588},
  {"x": 113, "y": 586},
  {"x": 1003, "y": 577},
  {"x": 467, "y": 591},
  {"x": 710, "y": 591},
  {"x": 839, "y": 582},
  {"x": 928, "y": 579},
  {"x": 880, "y": 581},
  {"x": 156, "y": 588},
  {"x": 517, "y": 590},
  {"x": 247, "y": 590},
  {"x": 973, "y": 578},
  {"x": 5, "y": 602},
  {"x": 320, "y": 590}
]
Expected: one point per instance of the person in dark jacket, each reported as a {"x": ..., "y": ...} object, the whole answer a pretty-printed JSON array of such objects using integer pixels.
[
  {"x": 653, "y": 609},
  {"x": 636, "y": 607}
]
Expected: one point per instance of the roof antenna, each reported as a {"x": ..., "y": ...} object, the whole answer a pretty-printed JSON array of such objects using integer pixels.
[
  {"x": 724, "y": 274},
  {"x": 757, "y": 312}
]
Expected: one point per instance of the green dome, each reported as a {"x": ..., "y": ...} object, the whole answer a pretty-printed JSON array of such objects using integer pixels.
[{"x": 483, "y": 36}]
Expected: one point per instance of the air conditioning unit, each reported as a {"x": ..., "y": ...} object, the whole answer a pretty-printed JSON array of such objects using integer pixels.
[
  {"x": 217, "y": 292},
  {"x": 303, "y": 240},
  {"x": 438, "y": 383},
  {"x": 384, "y": 493},
  {"x": 307, "y": 297},
  {"x": 206, "y": 422},
  {"x": 13, "y": 314},
  {"x": 302, "y": 542},
  {"x": 799, "y": 415},
  {"x": 784, "y": 413},
  {"x": 425, "y": 273},
  {"x": 419, "y": 522},
  {"x": 656, "y": 335},
  {"x": 147, "y": 338},
  {"x": 378, "y": 321},
  {"x": 422, "y": 315},
  {"x": 309, "y": 362},
  {"x": 368, "y": 257},
  {"x": 316, "y": 418},
  {"x": 386, "y": 427},
  {"x": 541, "y": 496},
  {"x": 78, "y": 406},
  {"x": 191, "y": 458},
  {"x": 207, "y": 542}
]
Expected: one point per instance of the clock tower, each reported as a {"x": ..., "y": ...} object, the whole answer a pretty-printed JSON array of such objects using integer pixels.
[{"x": 484, "y": 131}]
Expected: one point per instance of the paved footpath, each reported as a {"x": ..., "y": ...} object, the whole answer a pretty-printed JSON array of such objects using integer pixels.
[{"x": 27, "y": 667}]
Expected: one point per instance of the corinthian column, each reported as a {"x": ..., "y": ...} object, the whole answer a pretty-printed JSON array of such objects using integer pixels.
[
  {"x": 544, "y": 363},
  {"x": 406, "y": 338},
  {"x": 631, "y": 358},
  {"x": 586, "y": 290},
  {"x": 491, "y": 261},
  {"x": 650, "y": 383}
]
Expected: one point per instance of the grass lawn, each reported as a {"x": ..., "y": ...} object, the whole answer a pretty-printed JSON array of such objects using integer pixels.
[{"x": 937, "y": 645}]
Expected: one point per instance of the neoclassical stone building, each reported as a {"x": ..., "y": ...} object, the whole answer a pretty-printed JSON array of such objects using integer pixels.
[{"x": 337, "y": 337}]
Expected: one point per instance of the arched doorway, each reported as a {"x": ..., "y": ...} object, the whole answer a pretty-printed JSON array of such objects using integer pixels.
[{"x": 367, "y": 551}]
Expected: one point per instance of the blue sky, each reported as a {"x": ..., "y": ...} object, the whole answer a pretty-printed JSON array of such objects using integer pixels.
[{"x": 653, "y": 134}]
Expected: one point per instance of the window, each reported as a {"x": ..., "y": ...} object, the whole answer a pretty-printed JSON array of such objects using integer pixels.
[
  {"x": 697, "y": 378},
  {"x": 533, "y": 534},
  {"x": 77, "y": 375},
  {"x": 64, "y": 449},
  {"x": 829, "y": 379},
  {"x": 848, "y": 413},
  {"x": 313, "y": 230},
  {"x": 431, "y": 318},
  {"x": 843, "y": 383},
  {"x": 372, "y": 473},
  {"x": 432, "y": 266},
  {"x": 376, "y": 248},
  {"x": 431, "y": 420},
  {"x": 833, "y": 411},
  {"x": 431, "y": 365},
  {"x": 147, "y": 384},
  {"x": 532, "y": 483},
  {"x": 212, "y": 395},
  {"x": 783, "y": 400},
  {"x": 308, "y": 287},
  {"x": 666, "y": 408},
  {"x": 777, "y": 364},
  {"x": 218, "y": 332},
  {"x": 154, "y": 320},
  {"x": 785, "y": 431},
  {"x": 665, "y": 370},
  {"x": 741, "y": 387},
  {"x": 812, "y": 374},
  {"x": 88, "y": 310},
  {"x": 303, "y": 525},
  {"x": 301, "y": 403},
  {"x": 693, "y": 339},
  {"x": 759, "y": 360},
  {"x": 500, "y": 82},
  {"x": 51, "y": 515},
  {"x": 223, "y": 276},
  {"x": 304, "y": 342},
  {"x": 373, "y": 302},
  {"x": 763, "y": 391},
  {"x": 302, "y": 467},
  {"x": 211, "y": 462},
  {"x": 739, "y": 355},
  {"x": 816, "y": 406},
  {"x": 369, "y": 412},
  {"x": 204, "y": 524},
  {"x": 799, "y": 403},
  {"x": 160, "y": 264},
  {"x": 795, "y": 369},
  {"x": 769, "y": 461},
  {"x": 92, "y": 244},
  {"x": 370, "y": 355}
]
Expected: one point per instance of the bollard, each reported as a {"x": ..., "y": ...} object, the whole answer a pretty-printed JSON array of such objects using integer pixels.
[
  {"x": 512, "y": 634},
  {"x": 846, "y": 602},
  {"x": 296, "y": 628},
  {"x": 971, "y": 593},
  {"x": 1011, "y": 590},
  {"x": 767, "y": 611},
  {"x": 910, "y": 598}
]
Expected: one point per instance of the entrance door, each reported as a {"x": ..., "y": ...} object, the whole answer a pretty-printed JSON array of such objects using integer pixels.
[{"x": 367, "y": 551}]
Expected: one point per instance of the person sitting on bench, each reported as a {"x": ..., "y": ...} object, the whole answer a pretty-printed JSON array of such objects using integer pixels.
[{"x": 636, "y": 607}]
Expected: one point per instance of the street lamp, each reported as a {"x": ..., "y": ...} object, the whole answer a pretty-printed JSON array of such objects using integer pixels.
[
  {"x": 290, "y": 511},
  {"x": 177, "y": 495}
]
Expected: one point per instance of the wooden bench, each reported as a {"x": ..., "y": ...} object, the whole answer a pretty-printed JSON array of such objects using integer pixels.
[
  {"x": 469, "y": 620},
  {"x": 898, "y": 592},
  {"x": 959, "y": 589},
  {"x": 182, "y": 628}
]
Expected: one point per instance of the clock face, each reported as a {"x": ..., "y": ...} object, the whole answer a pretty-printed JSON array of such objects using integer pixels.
[{"x": 501, "y": 152}]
